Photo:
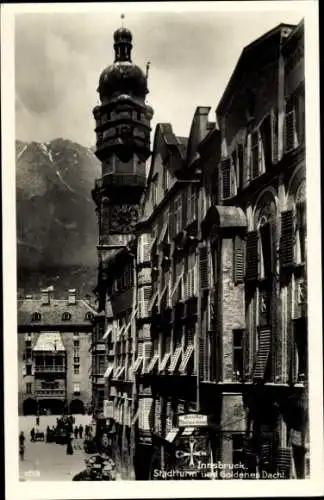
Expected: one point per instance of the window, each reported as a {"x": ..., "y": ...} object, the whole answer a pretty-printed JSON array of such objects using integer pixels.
[
  {"x": 237, "y": 448},
  {"x": 36, "y": 316},
  {"x": 257, "y": 155},
  {"x": 154, "y": 191},
  {"x": 166, "y": 178},
  {"x": 28, "y": 369},
  {"x": 226, "y": 178},
  {"x": 28, "y": 388},
  {"x": 300, "y": 233},
  {"x": 28, "y": 354},
  {"x": 76, "y": 360},
  {"x": 76, "y": 389},
  {"x": 191, "y": 277},
  {"x": 76, "y": 344},
  {"x": 66, "y": 316},
  {"x": 300, "y": 334},
  {"x": 238, "y": 354},
  {"x": 28, "y": 344},
  {"x": 178, "y": 213},
  {"x": 204, "y": 267},
  {"x": 89, "y": 316},
  {"x": 290, "y": 127},
  {"x": 267, "y": 248},
  {"x": 192, "y": 204},
  {"x": 76, "y": 369}
]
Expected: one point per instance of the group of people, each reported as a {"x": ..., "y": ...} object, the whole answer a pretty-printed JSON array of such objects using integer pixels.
[{"x": 99, "y": 467}]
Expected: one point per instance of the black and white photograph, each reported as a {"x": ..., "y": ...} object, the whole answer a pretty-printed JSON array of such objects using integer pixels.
[{"x": 162, "y": 259}]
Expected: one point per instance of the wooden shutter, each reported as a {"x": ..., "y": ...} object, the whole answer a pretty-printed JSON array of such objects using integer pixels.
[
  {"x": 157, "y": 416},
  {"x": 287, "y": 239},
  {"x": 267, "y": 249},
  {"x": 284, "y": 461},
  {"x": 290, "y": 126},
  {"x": 251, "y": 256},
  {"x": 203, "y": 268},
  {"x": 274, "y": 136},
  {"x": 263, "y": 353},
  {"x": 202, "y": 357},
  {"x": 185, "y": 201},
  {"x": 302, "y": 224},
  {"x": 265, "y": 132},
  {"x": 238, "y": 265},
  {"x": 226, "y": 178}
]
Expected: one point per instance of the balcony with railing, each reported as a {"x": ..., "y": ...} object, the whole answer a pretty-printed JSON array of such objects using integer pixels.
[
  {"x": 50, "y": 393},
  {"x": 50, "y": 368}
]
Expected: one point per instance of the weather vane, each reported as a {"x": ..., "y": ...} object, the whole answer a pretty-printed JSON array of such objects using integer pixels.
[{"x": 148, "y": 64}]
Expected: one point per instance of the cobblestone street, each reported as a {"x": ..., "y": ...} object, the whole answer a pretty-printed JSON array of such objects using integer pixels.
[{"x": 49, "y": 461}]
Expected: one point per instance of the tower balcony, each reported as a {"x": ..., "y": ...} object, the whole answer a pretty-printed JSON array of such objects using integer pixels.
[{"x": 50, "y": 369}]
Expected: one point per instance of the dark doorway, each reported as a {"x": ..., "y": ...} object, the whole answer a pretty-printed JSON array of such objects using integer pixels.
[
  {"x": 30, "y": 406},
  {"x": 77, "y": 407},
  {"x": 51, "y": 406}
]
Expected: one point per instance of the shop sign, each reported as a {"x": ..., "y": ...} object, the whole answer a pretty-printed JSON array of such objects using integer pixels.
[{"x": 193, "y": 420}]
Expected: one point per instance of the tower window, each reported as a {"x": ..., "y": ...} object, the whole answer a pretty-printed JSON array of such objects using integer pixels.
[
  {"x": 88, "y": 316},
  {"x": 66, "y": 316},
  {"x": 28, "y": 388}
]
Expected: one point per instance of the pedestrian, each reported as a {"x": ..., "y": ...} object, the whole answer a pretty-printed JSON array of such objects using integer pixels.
[
  {"x": 37, "y": 420},
  {"x": 76, "y": 432},
  {"x": 22, "y": 445},
  {"x": 81, "y": 431},
  {"x": 32, "y": 434},
  {"x": 86, "y": 430},
  {"x": 48, "y": 432},
  {"x": 69, "y": 448}
]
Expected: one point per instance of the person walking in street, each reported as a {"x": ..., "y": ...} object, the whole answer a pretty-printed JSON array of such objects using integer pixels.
[
  {"x": 69, "y": 447},
  {"x": 76, "y": 432},
  {"x": 22, "y": 445},
  {"x": 81, "y": 431},
  {"x": 37, "y": 420},
  {"x": 32, "y": 434}
]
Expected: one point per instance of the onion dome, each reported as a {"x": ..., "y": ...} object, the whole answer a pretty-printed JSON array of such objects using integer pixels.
[{"x": 122, "y": 77}]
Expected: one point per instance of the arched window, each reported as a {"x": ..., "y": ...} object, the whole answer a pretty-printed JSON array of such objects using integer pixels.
[
  {"x": 300, "y": 230},
  {"x": 66, "y": 316},
  {"x": 88, "y": 316},
  {"x": 36, "y": 316}
]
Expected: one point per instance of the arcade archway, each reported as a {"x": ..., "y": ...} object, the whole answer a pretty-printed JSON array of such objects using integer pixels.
[
  {"x": 77, "y": 407},
  {"x": 30, "y": 406},
  {"x": 51, "y": 406}
]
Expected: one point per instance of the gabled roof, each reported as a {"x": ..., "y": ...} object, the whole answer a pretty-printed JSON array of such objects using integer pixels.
[
  {"x": 52, "y": 313},
  {"x": 250, "y": 57}
]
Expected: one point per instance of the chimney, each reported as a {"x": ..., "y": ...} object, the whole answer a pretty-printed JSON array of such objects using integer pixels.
[{"x": 72, "y": 296}]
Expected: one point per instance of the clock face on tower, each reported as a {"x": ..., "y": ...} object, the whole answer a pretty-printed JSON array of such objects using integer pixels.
[{"x": 123, "y": 218}]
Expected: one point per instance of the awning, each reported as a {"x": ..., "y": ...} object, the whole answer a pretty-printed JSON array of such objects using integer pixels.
[
  {"x": 186, "y": 358},
  {"x": 154, "y": 361},
  {"x": 164, "y": 361},
  {"x": 116, "y": 370},
  {"x": 130, "y": 320},
  {"x": 224, "y": 217},
  {"x": 108, "y": 372},
  {"x": 153, "y": 300},
  {"x": 162, "y": 234},
  {"x": 161, "y": 295},
  {"x": 137, "y": 364},
  {"x": 107, "y": 333},
  {"x": 176, "y": 286},
  {"x": 49, "y": 342},
  {"x": 135, "y": 417},
  {"x": 175, "y": 359},
  {"x": 172, "y": 434},
  {"x": 121, "y": 371}
]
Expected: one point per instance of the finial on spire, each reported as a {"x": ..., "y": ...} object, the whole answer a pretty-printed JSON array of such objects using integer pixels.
[
  {"x": 148, "y": 64},
  {"x": 122, "y": 17}
]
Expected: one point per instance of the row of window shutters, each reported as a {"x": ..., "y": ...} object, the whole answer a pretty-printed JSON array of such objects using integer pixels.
[
  {"x": 246, "y": 261},
  {"x": 180, "y": 361}
]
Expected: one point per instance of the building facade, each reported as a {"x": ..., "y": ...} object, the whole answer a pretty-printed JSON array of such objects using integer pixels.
[
  {"x": 207, "y": 329},
  {"x": 54, "y": 354}
]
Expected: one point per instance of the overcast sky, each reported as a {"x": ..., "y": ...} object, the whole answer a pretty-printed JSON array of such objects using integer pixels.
[{"x": 59, "y": 58}]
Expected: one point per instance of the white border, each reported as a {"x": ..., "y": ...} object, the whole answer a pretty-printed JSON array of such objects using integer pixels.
[{"x": 125, "y": 489}]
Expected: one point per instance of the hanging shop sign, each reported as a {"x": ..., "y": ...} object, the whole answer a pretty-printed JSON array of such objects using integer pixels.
[{"x": 193, "y": 420}]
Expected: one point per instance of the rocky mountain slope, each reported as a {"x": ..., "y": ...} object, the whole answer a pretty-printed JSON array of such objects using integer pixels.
[{"x": 56, "y": 221}]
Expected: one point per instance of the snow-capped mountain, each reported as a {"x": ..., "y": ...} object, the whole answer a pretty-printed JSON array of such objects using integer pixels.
[{"x": 56, "y": 221}]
